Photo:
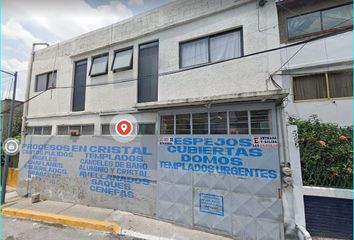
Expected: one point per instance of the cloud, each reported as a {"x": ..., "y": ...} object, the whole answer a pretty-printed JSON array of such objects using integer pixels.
[
  {"x": 25, "y": 22},
  {"x": 13, "y": 64},
  {"x": 15, "y": 31},
  {"x": 66, "y": 18},
  {"x": 136, "y": 2}
]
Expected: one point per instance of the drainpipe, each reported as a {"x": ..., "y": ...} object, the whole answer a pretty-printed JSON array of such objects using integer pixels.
[
  {"x": 28, "y": 87},
  {"x": 27, "y": 96}
]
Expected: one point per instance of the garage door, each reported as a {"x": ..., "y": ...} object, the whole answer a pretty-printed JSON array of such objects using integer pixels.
[{"x": 219, "y": 170}]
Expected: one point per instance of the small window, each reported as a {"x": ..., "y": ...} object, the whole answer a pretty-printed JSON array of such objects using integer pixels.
[
  {"x": 99, "y": 65},
  {"x": 146, "y": 129},
  {"x": 63, "y": 130},
  {"x": 87, "y": 129},
  {"x": 218, "y": 123},
  {"x": 260, "y": 122},
  {"x": 167, "y": 124},
  {"x": 123, "y": 60},
  {"x": 200, "y": 123},
  {"x": 238, "y": 122},
  {"x": 47, "y": 130},
  {"x": 310, "y": 87},
  {"x": 105, "y": 130},
  {"x": 40, "y": 130},
  {"x": 183, "y": 124},
  {"x": 83, "y": 129},
  {"x": 340, "y": 84},
  {"x": 45, "y": 81},
  {"x": 37, "y": 131}
]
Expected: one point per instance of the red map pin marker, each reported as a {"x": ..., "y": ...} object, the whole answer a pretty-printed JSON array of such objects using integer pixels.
[{"x": 124, "y": 127}]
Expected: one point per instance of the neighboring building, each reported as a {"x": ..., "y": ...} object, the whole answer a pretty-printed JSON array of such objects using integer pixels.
[
  {"x": 320, "y": 78},
  {"x": 16, "y": 127},
  {"x": 202, "y": 80},
  {"x": 320, "y": 74},
  {"x": 5, "y": 117}
]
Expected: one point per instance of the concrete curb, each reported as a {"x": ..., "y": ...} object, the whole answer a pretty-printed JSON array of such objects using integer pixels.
[{"x": 63, "y": 220}]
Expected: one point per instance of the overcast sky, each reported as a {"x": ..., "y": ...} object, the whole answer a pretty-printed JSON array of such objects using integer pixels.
[{"x": 52, "y": 21}]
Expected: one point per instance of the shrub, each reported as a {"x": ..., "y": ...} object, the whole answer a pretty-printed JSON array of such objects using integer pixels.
[{"x": 326, "y": 153}]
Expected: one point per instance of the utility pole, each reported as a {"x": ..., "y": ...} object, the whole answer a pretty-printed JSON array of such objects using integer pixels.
[{"x": 9, "y": 133}]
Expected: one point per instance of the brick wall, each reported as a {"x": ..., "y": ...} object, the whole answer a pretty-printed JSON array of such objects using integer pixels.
[{"x": 329, "y": 217}]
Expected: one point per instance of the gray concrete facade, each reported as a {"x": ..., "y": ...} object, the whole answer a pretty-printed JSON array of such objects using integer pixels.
[{"x": 234, "y": 190}]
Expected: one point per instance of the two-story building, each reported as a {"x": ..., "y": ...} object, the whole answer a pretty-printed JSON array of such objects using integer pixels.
[
  {"x": 319, "y": 73},
  {"x": 198, "y": 77}
]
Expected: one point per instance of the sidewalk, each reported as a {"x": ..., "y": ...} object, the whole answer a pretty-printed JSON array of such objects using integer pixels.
[{"x": 130, "y": 224}]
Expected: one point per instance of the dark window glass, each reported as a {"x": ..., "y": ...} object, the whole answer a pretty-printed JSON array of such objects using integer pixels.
[
  {"x": 99, "y": 65},
  {"x": 218, "y": 123},
  {"x": 37, "y": 131},
  {"x": 341, "y": 84},
  {"x": 260, "y": 122},
  {"x": 41, "y": 83},
  {"x": 87, "y": 129},
  {"x": 310, "y": 87},
  {"x": 47, "y": 130},
  {"x": 238, "y": 122},
  {"x": 79, "y": 94},
  {"x": 123, "y": 60},
  {"x": 146, "y": 129},
  {"x": 200, "y": 123},
  {"x": 183, "y": 124},
  {"x": 167, "y": 124},
  {"x": 148, "y": 72},
  {"x": 105, "y": 129},
  {"x": 63, "y": 130}
]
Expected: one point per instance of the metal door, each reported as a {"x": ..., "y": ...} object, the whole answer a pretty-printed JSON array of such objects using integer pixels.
[{"x": 223, "y": 183}]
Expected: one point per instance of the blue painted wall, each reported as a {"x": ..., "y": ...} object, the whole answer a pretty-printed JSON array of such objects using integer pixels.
[{"x": 329, "y": 217}]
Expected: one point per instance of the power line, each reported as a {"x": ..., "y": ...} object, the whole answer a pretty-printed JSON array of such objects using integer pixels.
[{"x": 205, "y": 65}]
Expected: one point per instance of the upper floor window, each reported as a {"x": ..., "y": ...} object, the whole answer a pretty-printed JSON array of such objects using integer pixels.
[
  {"x": 123, "y": 60},
  {"x": 210, "y": 49},
  {"x": 46, "y": 81},
  {"x": 82, "y": 129},
  {"x": 320, "y": 21},
  {"x": 324, "y": 85},
  {"x": 99, "y": 65},
  {"x": 40, "y": 130}
]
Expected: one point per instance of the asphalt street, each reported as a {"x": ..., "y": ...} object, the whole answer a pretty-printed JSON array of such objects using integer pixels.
[{"x": 17, "y": 229}]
